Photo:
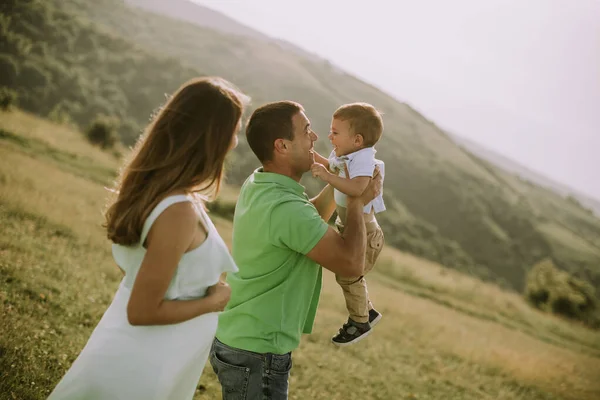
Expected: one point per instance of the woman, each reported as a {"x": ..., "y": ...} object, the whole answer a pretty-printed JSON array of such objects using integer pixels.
[{"x": 154, "y": 339}]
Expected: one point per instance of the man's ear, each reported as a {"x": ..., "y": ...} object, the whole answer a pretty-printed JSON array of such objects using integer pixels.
[
  {"x": 359, "y": 140},
  {"x": 280, "y": 145}
]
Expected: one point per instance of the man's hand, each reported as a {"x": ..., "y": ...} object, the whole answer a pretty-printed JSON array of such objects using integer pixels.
[
  {"x": 373, "y": 188},
  {"x": 319, "y": 171}
]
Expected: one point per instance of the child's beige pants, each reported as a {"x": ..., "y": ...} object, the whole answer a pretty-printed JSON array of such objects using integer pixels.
[{"x": 355, "y": 288}]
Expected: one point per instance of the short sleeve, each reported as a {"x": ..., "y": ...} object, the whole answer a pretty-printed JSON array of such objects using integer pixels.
[
  {"x": 332, "y": 156},
  {"x": 297, "y": 225},
  {"x": 362, "y": 164},
  {"x": 333, "y": 162}
]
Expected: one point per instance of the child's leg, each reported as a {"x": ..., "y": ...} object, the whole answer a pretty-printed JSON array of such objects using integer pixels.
[
  {"x": 355, "y": 293},
  {"x": 375, "y": 242}
]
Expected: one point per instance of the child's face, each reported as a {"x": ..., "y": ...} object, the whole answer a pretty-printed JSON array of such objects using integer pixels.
[{"x": 342, "y": 138}]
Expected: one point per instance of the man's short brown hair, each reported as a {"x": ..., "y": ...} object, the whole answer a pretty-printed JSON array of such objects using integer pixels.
[
  {"x": 268, "y": 123},
  {"x": 364, "y": 119}
]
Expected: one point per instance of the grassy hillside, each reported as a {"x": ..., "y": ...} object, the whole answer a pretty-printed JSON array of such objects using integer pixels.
[
  {"x": 71, "y": 60},
  {"x": 444, "y": 335}
]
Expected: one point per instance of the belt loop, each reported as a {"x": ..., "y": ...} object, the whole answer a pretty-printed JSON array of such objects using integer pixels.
[{"x": 268, "y": 361}]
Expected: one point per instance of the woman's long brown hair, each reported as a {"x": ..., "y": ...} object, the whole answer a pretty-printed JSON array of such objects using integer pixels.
[{"x": 183, "y": 149}]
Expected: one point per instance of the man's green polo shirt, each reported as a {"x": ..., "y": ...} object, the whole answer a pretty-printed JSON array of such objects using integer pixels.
[{"x": 275, "y": 293}]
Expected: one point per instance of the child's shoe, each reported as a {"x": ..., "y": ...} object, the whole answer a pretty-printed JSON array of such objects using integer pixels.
[
  {"x": 351, "y": 332},
  {"x": 374, "y": 317}
]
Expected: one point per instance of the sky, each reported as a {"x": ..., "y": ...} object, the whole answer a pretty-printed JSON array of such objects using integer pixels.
[{"x": 521, "y": 77}]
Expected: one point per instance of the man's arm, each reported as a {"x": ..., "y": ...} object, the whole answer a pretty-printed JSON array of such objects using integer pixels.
[
  {"x": 324, "y": 203},
  {"x": 345, "y": 254}
]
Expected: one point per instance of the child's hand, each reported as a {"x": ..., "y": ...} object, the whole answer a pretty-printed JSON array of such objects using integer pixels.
[{"x": 319, "y": 171}]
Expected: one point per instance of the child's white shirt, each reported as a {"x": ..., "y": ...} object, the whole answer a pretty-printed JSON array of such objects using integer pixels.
[{"x": 359, "y": 163}]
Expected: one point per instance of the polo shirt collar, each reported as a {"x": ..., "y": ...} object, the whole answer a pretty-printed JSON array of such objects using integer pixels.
[{"x": 271, "y": 177}]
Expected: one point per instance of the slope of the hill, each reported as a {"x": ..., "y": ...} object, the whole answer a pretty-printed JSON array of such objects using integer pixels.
[{"x": 443, "y": 203}]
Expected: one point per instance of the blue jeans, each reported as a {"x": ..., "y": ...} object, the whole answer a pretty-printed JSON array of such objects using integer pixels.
[{"x": 246, "y": 375}]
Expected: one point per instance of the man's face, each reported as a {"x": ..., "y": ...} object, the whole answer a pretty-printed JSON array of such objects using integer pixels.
[{"x": 302, "y": 143}]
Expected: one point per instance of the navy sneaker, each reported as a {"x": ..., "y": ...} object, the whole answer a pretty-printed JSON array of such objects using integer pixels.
[
  {"x": 351, "y": 332},
  {"x": 374, "y": 317}
]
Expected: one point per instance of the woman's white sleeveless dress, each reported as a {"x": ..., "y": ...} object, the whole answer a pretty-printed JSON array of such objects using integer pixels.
[{"x": 121, "y": 361}]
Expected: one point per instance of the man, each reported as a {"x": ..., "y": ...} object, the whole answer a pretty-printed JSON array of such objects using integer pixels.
[{"x": 280, "y": 242}]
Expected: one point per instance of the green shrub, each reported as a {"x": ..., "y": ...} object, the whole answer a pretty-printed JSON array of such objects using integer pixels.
[
  {"x": 552, "y": 290},
  {"x": 8, "y": 98},
  {"x": 60, "y": 114},
  {"x": 102, "y": 132}
]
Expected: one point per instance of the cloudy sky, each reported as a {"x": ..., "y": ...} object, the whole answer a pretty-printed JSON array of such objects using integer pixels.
[{"x": 520, "y": 77}]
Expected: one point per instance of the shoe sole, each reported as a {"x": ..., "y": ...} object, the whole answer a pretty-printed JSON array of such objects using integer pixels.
[
  {"x": 358, "y": 339},
  {"x": 375, "y": 321}
]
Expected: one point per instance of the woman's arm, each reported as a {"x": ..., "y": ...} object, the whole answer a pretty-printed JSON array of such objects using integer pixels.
[{"x": 171, "y": 235}]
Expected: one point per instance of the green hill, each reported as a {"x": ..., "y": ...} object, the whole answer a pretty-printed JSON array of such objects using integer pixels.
[{"x": 72, "y": 60}]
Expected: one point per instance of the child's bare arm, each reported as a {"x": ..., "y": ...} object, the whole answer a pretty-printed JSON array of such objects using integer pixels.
[
  {"x": 350, "y": 187},
  {"x": 321, "y": 160}
]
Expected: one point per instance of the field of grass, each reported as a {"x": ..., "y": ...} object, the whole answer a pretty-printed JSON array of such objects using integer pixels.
[{"x": 444, "y": 335}]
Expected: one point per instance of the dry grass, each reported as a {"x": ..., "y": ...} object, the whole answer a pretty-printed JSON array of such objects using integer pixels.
[
  {"x": 448, "y": 345},
  {"x": 486, "y": 301},
  {"x": 49, "y": 191},
  {"x": 57, "y": 136},
  {"x": 444, "y": 335}
]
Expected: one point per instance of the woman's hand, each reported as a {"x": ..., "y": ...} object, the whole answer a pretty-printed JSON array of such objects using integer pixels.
[{"x": 219, "y": 295}]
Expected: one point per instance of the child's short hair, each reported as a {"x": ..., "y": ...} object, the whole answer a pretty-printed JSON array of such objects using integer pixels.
[{"x": 364, "y": 119}]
